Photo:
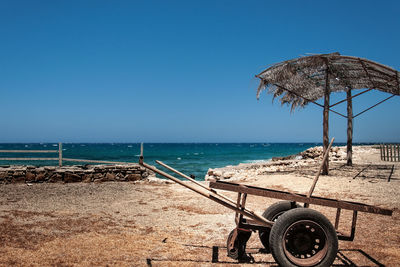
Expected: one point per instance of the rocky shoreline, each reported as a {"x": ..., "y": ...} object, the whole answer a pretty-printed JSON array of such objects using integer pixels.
[
  {"x": 242, "y": 171},
  {"x": 71, "y": 174}
]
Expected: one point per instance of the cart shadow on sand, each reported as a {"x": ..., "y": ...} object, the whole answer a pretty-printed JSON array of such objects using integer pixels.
[
  {"x": 374, "y": 172},
  {"x": 345, "y": 257}
]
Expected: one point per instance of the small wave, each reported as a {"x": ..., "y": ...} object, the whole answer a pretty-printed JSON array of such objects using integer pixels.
[
  {"x": 130, "y": 146},
  {"x": 178, "y": 158},
  {"x": 195, "y": 153},
  {"x": 55, "y": 145},
  {"x": 257, "y": 161}
]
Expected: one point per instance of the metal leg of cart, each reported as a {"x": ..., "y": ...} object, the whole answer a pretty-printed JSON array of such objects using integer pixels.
[{"x": 238, "y": 237}]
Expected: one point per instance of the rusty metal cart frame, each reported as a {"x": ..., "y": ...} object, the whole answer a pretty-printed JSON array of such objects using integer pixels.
[{"x": 295, "y": 236}]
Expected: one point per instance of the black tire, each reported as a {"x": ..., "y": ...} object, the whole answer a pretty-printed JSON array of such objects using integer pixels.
[
  {"x": 239, "y": 248},
  {"x": 303, "y": 237},
  {"x": 272, "y": 213}
]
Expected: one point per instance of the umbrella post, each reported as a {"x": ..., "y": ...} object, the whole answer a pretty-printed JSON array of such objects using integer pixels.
[
  {"x": 325, "y": 168},
  {"x": 349, "y": 128}
]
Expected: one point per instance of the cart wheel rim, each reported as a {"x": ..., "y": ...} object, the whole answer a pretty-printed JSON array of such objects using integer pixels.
[{"x": 305, "y": 243}]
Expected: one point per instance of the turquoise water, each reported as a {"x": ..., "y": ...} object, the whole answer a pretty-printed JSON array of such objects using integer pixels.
[{"x": 190, "y": 158}]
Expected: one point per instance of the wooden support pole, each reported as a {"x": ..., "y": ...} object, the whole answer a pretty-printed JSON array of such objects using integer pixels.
[
  {"x": 141, "y": 154},
  {"x": 337, "y": 219},
  {"x": 387, "y": 152},
  {"x": 60, "y": 159},
  {"x": 398, "y": 152},
  {"x": 391, "y": 152},
  {"x": 384, "y": 151},
  {"x": 349, "y": 128},
  {"x": 325, "y": 169}
]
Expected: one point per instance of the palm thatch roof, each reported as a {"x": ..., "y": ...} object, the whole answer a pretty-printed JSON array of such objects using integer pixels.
[{"x": 298, "y": 81}]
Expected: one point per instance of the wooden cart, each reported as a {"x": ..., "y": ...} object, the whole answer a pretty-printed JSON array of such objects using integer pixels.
[{"x": 295, "y": 234}]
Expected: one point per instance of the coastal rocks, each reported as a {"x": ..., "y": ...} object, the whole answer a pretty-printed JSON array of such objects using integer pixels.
[
  {"x": 336, "y": 153},
  {"x": 214, "y": 174},
  {"x": 245, "y": 171},
  {"x": 73, "y": 174}
]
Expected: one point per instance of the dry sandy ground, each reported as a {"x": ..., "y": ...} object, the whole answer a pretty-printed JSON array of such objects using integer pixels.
[{"x": 152, "y": 224}]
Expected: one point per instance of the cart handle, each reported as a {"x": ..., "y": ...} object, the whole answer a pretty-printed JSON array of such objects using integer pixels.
[{"x": 319, "y": 172}]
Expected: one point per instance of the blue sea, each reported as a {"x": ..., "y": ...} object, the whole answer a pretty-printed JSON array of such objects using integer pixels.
[{"x": 189, "y": 158}]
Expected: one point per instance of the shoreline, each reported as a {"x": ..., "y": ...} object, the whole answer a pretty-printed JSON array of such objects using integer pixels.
[{"x": 308, "y": 157}]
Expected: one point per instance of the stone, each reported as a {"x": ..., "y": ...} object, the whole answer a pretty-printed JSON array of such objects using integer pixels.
[
  {"x": 110, "y": 176},
  {"x": 71, "y": 178},
  {"x": 54, "y": 178},
  {"x": 120, "y": 177},
  {"x": 87, "y": 178},
  {"x": 30, "y": 177},
  {"x": 40, "y": 177},
  {"x": 18, "y": 179},
  {"x": 217, "y": 173},
  {"x": 18, "y": 173},
  {"x": 210, "y": 178},
  {"x": 3, "y": 175},
  {"x": 133, "y": 177},
  {"x": 228, "y": 175}
]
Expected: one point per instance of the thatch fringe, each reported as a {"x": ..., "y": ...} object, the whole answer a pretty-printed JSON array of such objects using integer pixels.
[{"x": 298, "y": 81}]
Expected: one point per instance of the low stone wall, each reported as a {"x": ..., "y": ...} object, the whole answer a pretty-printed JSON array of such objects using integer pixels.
[{"x": 70, "y": 174}]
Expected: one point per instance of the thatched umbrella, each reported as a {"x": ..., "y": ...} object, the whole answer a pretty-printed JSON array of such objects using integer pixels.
[{"x": 300, "y": 81}]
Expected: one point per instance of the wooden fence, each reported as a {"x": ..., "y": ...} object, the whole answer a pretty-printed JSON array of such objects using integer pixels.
[
  {"x": 390, "y": 152},
  {"x": 60, "y": 158}
]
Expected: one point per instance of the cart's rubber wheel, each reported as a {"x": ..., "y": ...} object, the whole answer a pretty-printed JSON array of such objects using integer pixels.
[
  {"x": 239, "y": 249},
  {"x": 303, "y": 237},
  {"x": 272, "y": 213}
]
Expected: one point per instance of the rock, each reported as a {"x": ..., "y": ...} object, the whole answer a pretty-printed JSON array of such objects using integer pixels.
[
  {"x": 228, "y": 175},
  {"x": 217, "y": 173},
  {"x": 155, "y": 180},
  {"x": 71, "y": 178},
  {"x": 40, "y": 177},
  {"x": 87, "y": 178},
  {"x": 18, "y": 173},
  {"x": 18, "y": 179},
  {"x": 133, "y": 177},
  {"x": 30, "y": 177},
  {"x": 110, "y": 176},
  {"x": 56, "y": 177},
  {"x": 210, "y": 178},
  {"x": 284, "y": 158},
  {"x": 120, "y": 177}
]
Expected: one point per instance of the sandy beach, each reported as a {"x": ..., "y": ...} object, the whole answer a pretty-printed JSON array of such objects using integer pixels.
[{"x": 157, "y": 223}]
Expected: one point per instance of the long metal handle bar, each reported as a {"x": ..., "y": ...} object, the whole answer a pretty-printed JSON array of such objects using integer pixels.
[
  {"x": 194, "y": 181},
  {"x": 213, "y": 196}
]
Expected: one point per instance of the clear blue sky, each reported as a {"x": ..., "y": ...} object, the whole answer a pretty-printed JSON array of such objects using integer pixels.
[{"x": 181, "y": 71}]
